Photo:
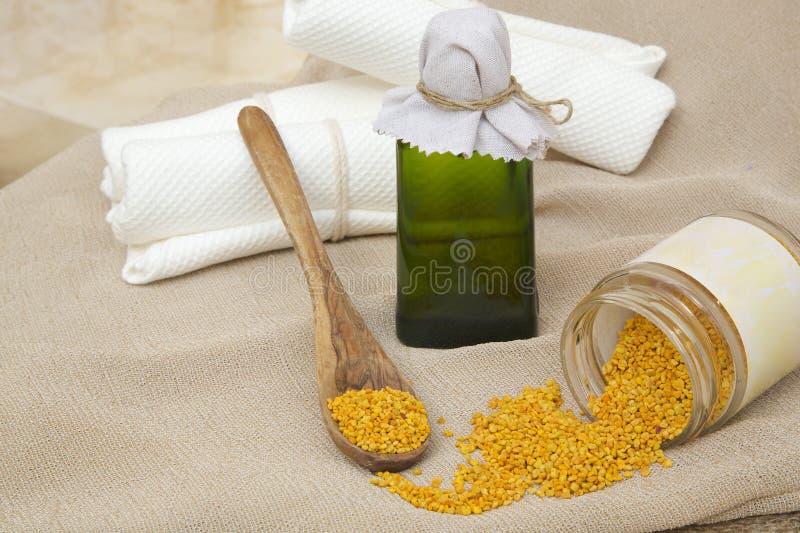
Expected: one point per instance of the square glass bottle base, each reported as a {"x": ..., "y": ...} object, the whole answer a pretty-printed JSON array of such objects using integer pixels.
[{"x": 454, "y": 331}]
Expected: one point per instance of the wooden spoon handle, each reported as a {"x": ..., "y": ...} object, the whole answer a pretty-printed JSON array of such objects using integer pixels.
[{"x": 277, "y": 172}]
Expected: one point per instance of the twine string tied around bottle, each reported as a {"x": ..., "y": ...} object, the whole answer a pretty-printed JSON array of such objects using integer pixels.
[{"x": 514, "y": 89}]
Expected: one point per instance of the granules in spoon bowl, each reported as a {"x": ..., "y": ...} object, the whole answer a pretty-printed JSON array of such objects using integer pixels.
[{"x": 381, "y": 421}]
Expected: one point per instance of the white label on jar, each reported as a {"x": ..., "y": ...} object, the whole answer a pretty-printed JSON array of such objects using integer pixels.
[{"x": 757, "y": 281}]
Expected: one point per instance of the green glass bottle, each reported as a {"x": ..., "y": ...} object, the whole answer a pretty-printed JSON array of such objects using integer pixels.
[{"x": 465, "y": 249}]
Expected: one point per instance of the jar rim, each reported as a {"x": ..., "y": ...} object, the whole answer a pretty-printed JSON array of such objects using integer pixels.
[{"x": 673, "y": 317}]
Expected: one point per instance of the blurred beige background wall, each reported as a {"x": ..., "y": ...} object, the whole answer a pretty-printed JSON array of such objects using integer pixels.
[{"x": 69, "y": 67}]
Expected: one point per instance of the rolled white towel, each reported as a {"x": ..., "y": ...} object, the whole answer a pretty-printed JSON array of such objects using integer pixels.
[
  {"x": 618, "y": 108},
  {"x": 645, "y": 59},
  {"x": 213, "y": 206},
  {"x": 354, "y": 97},
  {"x": 185, "y": 194}
]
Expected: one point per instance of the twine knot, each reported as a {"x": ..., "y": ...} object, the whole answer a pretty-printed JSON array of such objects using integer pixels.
[{"x": 514, "y": 89}]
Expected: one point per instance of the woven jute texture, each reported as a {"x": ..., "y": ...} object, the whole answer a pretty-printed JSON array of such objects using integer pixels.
[{"x": 189, "y": 404}]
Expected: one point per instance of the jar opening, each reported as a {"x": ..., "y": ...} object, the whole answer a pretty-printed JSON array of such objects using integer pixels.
[
  {"x": 601, "y": 323},
  {"x": 689, "y": 317}
]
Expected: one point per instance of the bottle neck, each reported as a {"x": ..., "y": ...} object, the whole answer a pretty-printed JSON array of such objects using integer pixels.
[{"x": 678, "y": 306}]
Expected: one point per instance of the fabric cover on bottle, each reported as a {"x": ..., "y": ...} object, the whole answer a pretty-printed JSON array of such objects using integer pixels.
[{"x": 465, "y": 55}]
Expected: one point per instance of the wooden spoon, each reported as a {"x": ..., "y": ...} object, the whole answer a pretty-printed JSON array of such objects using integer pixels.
[{"x": 348, "y": 356}]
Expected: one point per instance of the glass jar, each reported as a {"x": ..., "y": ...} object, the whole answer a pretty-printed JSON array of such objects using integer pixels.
[
  {"x": 725, "y": 290},
  {"x": 465, "y": 251}
]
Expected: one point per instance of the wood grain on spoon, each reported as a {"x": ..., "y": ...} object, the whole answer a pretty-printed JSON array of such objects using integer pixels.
[{"x": 348, "y": 356}]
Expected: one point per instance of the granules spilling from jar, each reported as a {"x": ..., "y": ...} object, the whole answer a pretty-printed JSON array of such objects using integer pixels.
[
  {"x": 382, "y": 421},
  {"x": 529, "y": 444}
]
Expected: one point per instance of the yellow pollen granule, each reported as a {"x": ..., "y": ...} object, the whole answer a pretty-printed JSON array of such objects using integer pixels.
[
  {"x": 382, "y": 421},
  {"x": 448, "y": 432},
  {"x": 528, "y": 444}
]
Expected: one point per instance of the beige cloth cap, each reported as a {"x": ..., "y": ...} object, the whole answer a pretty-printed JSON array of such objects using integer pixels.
[{"x": 465, "y": 54}]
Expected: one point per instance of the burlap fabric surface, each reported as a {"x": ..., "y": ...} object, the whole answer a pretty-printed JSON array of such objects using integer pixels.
[{"x": 189, "y": 404}]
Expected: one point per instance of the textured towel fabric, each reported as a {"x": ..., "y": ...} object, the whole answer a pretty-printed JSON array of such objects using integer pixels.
[
  {"x": 618, "y": 109},
  {"x": 190, "y": 405},
  {"x": 185, "y": 194},
  {"x": 342, "y": 99},
  {"x": 301, "y": 13},
  {"x": 213, "y": 206},
  {"x": 466, "y": 65},
  {"x": 645, "y": 59}
]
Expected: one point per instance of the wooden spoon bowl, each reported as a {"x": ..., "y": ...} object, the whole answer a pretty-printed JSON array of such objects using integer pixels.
[{"x": 348, "y": 355}]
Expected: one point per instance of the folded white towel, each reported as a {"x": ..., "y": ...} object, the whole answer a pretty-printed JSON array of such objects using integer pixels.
[
  {"x": 185, "y": 195},
  {"x": 214, "y": 208},
  {"x": 618, "y": 109},
  {"x": 348, "y": 98}
]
